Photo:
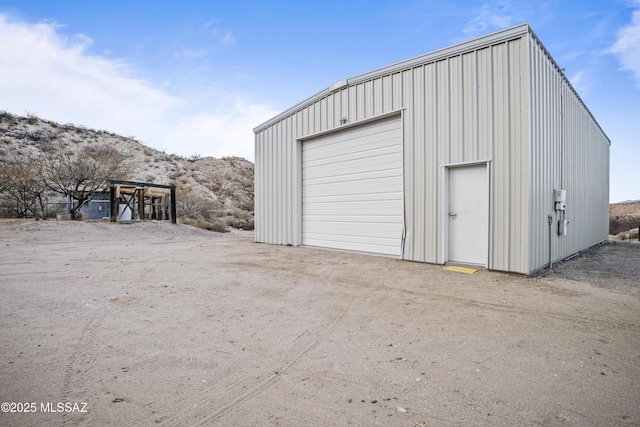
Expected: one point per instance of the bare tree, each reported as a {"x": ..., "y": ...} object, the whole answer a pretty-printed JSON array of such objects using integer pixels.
[
  {"x": 79, "y": 173},
  {"x": 19, "y": 180}
]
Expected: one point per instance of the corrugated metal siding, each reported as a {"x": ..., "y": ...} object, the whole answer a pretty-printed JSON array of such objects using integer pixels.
[
  {"x": 467, "y": 109},
  {"x": 474, "y": 102},
  {"x": 276, "y": 177},
  {"x": 456, "y": 109},
  {"x": 568, "y": 151}
]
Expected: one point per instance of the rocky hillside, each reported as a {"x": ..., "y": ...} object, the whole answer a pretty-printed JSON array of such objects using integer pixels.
[
  {"x": 208, "y": 189},
  {"x": 624, "y": 220}
]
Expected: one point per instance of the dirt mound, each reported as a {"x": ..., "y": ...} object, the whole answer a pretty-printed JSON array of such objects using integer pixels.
[{"x": 624, "y": 217}]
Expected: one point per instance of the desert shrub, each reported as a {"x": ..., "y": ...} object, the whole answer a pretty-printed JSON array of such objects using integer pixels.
[
  {"x": 192, "y": 205},
  {"x": 218, "y": 226},
  {"x": 241, "y": 223},
  {"x": 200, "y": 223},
  {"x": 628, "y": 235},
  {"x": 32, "y": 119},
  {"x": 623, "y": 222},
  {"x": 175, "y": 174}
]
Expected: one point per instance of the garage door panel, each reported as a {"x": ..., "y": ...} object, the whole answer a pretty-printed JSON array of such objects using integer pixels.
[
  {"x": 350, "y": 220},
  {"x": 379, "y": 148},
  {"x": 332, "y": 215},
  {"x": 351, "y": 176},
  {"x": 384, "y": 185},
  {"x": 367, "y": 245},
  {"x": 346, "y": 239},
  {"x": 382, "y": 208},
  {"x": 352, "y": 189},
  {"x": 372, "y": 164},
  {"x": 361, "y": 229},
  {"x": 357, "y": 143},
  {"x": 362, "y": 141},
  {"x": 355, "y": 198}
]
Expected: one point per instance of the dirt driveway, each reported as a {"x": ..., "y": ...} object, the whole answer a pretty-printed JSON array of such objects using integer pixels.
[{"x": 154, "y": 324}]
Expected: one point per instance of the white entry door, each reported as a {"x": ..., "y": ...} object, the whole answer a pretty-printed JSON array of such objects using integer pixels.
[{"x": 468, "y": 214}]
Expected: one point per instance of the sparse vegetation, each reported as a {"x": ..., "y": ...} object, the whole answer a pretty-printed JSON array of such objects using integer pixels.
[
  {"x": 624, "y": 218},
  {"x": 80, "y": 172},
  {"x": 20, "y": 181},
  {"x": 209, "y": 191},
  {"x": 628, "y": 235}
]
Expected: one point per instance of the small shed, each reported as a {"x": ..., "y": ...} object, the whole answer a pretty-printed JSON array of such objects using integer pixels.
[
  {"x": 480, "y": 153},
  {"x": 97, "y": 207}
]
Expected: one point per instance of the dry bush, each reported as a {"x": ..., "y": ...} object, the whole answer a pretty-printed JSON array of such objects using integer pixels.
[
  {"x": 217, "y": 226},
  {"x": 192, "y": 205},
  {"x": 629, "y": 234},
  {"x": 623, "y": 217}
]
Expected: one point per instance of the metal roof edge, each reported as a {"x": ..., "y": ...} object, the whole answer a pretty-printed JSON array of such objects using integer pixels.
[
  {"x": 564, "y": 76},
  {"x": 485, "y": 40},
  {"x": 446, "y": 52},
  {"x": 299, "y": 106}
]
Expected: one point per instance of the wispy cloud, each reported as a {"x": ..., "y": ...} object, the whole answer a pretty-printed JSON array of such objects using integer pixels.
[
  {"x": 228, "y": 39},
  {"x": 580, "y": 82},
  {"x": 627, "y": 45},
  {"x": 223, "y": 37},
  {"x": 489, "y": 17},
  {"x": 52, "y": 75},
  {"x": 192, "y": 53}
]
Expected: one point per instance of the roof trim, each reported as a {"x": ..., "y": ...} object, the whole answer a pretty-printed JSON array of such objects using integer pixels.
[
  {"x": 533, "y": 35},
  {"x": 140, "y": 184},
  {"x": 397, "y": 112},
  {"x": 446, "y": 52}
]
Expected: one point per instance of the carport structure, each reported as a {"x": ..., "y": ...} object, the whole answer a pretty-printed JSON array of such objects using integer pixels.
[{"x": 135, "y": 201}]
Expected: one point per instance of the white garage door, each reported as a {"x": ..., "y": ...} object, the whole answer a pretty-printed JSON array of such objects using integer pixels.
[{"x": 352, "y": 189}]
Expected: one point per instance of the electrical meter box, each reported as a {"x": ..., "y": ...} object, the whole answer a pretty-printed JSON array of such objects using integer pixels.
[
  {"x": 562, "y": 227},
  {"x": 560, "y": 196}
]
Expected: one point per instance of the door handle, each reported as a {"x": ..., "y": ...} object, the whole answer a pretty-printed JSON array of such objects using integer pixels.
[{"x": 452, "y": 215}]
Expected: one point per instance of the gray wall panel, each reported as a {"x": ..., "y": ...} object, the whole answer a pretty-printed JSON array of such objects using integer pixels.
[
  {"x": 499, "y": 102},
  {"x": 568, "y": 151}
]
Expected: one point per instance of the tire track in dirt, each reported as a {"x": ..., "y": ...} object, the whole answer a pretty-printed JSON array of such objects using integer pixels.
[
  {"x": 79, "y": 362},
  {"x": 215, "y": 390},
  {"x": 306, "y": 342},
  {"x": 212, "y": 399},
  {"x": 586, "y": 322}
]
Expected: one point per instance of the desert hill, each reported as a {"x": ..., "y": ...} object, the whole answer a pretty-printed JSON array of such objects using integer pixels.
[
  {"x": 624, "y": 219},
  {"x": 209, "y": 190}
]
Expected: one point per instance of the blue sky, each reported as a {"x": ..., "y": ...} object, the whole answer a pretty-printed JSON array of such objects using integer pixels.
[{"x": 195, "y": 77}]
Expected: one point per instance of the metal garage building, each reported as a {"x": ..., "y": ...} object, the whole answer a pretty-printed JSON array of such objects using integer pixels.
[{"x": 480, "y": 153}]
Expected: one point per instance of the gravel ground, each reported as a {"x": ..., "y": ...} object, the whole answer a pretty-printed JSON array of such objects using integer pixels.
[{"x": 155, "y": 324}]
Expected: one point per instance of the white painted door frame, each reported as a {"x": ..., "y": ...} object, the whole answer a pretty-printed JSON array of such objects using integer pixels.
[
  {"x": 482, "y": 233},
  {"x": 353, "y": 196}
]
